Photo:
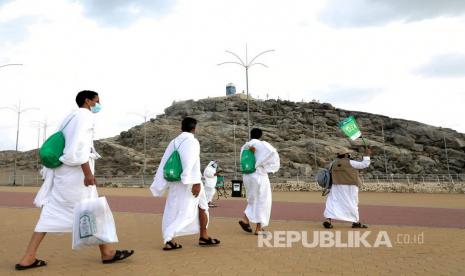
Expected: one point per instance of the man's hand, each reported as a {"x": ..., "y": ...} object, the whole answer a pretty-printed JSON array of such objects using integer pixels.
[
  {"x": 196, "y": 189},
  {"x": 367, "y": 152},
  {"x": 90, "y": 180}
]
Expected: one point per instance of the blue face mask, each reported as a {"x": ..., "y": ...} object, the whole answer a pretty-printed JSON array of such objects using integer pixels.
[{"x": 96, "y": 108}]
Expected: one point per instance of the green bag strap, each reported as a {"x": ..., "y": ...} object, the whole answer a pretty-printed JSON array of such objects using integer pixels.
[
  {"x": 174, "y": 144},
  {"x": 67, "y": 123}
]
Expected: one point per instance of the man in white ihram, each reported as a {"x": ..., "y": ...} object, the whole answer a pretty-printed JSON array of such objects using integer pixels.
[
  {"x": 210, "y": 181},
  {"x": 186, "y": 207},
  {"x": 342, "y": 201},
  {"x": 257, "y": 184},
  {"x": 68, "y": 184}
]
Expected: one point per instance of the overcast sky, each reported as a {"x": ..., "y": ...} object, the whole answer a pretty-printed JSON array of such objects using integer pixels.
[{"x": 400, "y": 58}]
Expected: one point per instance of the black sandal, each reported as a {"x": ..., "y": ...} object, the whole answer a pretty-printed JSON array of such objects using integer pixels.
[
  {"x": 208, "y": 242},
  {"x": 245, "y": 226},
  {"x": 327, "y": 225},
  {"x": 172, "y": 246},
  {"x": 359, "y": 225},
  {"x": 119, "y": 255},
  {"x": 36, "y": 263}
]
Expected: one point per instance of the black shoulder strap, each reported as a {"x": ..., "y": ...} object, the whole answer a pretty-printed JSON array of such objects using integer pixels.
[{"x": 331, "y": 165}]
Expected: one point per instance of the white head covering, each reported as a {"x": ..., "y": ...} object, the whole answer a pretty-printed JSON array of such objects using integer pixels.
[{"x": 213, "y": 163}]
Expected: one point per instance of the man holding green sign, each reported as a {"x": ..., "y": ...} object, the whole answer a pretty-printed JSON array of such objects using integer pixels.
[{"x": 342, "y": 201}]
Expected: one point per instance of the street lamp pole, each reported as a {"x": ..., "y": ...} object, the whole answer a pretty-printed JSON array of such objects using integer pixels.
[
  {"x": 246, "y": 65},
  {"x": 384, "y": 148},
  {"x": 314, "y": 140},
  {"x": 235, "y": 151},
  {"x": 17, "y": 109},
  {"x": 17, "y": 132},
  {"x": 247, "y": 88},
  {"x": 40, "y": 125},
  {"x": 37, "y": 124},
  {"x": 44, "y": 134},
  {"x": 10, "y": 64},
  {"x": 447, "y": 156},
  {"x": 144, "y": 116}
]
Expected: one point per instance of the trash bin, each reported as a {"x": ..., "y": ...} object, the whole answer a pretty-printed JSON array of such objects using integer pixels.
[{"x": 236, "y": 188}]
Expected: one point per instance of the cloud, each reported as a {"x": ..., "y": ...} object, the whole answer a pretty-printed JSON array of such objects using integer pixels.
[
  {"x": 363, "y": 13},
  {"x": 343, "y": 95},
  {"x": 2, "y": 2},
  {"x": 173, "y": 56},
  {"x": 447, "y": 65},
  {"x": 15, "y": 30},
  {"x": 121, "y": 13}
]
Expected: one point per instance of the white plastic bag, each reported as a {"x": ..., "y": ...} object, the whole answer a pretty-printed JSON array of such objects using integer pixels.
[{"x": 93, "y": 223}]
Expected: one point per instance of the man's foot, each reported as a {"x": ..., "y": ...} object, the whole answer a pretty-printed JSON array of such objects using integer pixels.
[
  {"x": 245, "y": 226},
  {"x": 208, "y": 241},
  {"x": 119, "y": 256},
  {"x": 327, "y": 224},
  {"x": 36, "y": 263},
  {"x": 171, "y": 246},
  {"x": 359, "y": 225},
  {"x": 258, "y": 229},
  {"x": 261, "y": 231}
]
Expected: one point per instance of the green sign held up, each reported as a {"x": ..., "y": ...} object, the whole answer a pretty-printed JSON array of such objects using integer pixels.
[{"x": 350, "y": 128}]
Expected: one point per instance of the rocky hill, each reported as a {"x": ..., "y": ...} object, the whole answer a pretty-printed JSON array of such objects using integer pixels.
[{"x": 305, "y": 134}]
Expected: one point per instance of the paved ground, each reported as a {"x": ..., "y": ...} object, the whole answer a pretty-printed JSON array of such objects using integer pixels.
[
  {"x": 438, "y": 249},
  {"x": 454, "y": 201},
  {"x": 399, "y": 209}
]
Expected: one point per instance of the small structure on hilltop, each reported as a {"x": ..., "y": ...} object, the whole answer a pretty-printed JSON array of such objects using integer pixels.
[{"x": 230, "y": 89}]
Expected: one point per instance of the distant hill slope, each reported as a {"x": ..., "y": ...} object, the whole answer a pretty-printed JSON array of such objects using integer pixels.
[{"x": 410, "y": 147}]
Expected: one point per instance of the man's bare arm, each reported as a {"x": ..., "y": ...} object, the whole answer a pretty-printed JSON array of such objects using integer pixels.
[{"x": 89, "y": 178}]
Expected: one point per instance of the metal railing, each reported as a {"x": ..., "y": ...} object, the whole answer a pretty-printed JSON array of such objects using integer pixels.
[
  {"x": 441, "y": 183},
  {"x": 102, "y": 180}
]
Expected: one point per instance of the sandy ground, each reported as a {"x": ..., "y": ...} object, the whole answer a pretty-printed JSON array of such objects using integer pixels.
[
  {"x": 414, "y": 251},
  {"x": 438, "y": 252}
]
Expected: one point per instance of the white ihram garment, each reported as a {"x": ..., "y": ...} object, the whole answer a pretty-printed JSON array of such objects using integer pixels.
[
  {"x": 257, "y": 184},
  {"x": 181, "y": 214},
  {"x": 63, "y": 187},
  {"x": 210, "y": 181}
]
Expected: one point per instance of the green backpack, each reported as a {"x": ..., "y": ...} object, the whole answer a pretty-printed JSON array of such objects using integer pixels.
[
  {"x": 247, "y": 161},
  {"x": 173, "y": 167},
  {"x": 53, "y": 148}
]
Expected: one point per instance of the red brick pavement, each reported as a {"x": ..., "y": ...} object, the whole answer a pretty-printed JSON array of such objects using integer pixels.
[{"x": 371, "y": 214}]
